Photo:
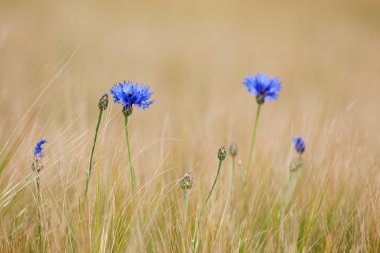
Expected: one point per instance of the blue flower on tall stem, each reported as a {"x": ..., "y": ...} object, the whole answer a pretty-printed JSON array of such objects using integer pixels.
[
  {"x": 128, "y": 95},
  {"x": 265, "y": 89},
  {"x": 295, "y": 171},
  {"x": 37, "y": 166}
]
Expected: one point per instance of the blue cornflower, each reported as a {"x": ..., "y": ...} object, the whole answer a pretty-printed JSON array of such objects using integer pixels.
[
  {"x": 264, "y": 88},
  {"x": 299, "y": 145},
  {"x": 128, "y": 94},
  {"x": 38, "y": 150}
]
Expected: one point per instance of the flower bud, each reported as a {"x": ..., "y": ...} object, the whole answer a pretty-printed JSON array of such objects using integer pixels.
[
  {"x": 103, "y": 102},
  {"x": 299, "y": 145},
  {"x": 233, "y": 149},
  {"x": 186, "y": 182},
  {"x": 127, "y": 110},
  {"x": 222, "y": 153}
]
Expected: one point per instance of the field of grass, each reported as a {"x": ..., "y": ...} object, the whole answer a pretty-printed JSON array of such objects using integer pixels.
[{"x": 57, "y": 58}]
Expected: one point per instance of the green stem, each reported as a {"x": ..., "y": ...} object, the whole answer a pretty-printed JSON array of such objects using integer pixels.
[
  {"x": 195, "y": 240},
  {"x": 186, "y": 202},
  {"x": 252, "y": 144},
  {"x": 130, "y": 162},
  {"x": 92, "y": 156},
  {"x": 232, "y": 174},
  {"x": 39, "y": 240},
  {"x": 291, "y": 186}
]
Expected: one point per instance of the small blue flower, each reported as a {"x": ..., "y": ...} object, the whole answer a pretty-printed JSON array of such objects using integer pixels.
[
  {"x": 38, "y": 150},
  {"x": 264, "y": 88},
  {"x": 299, "y": 145},
  {"x": 128, "y": 94}
]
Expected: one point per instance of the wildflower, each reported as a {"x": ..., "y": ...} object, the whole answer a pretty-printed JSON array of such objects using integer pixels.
[
  {"x": 38, "y": 150},
  {"x": 299, "y": 145},
  {"x": 264, "y": 88},
  {"x": 37, "y": 166},
  {"x": 295, "y": 170},
  {"x": 103, "y": 102},
  {"x": 128, "y": 95}
]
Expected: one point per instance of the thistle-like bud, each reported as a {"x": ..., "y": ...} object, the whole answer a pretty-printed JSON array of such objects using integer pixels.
[
  {"x": 127, "y": 110},
  {"x": 222, "y": 153},
  {"x": 233, "y": 149},
  {"x": 103, "y": 102},
  {"x": 187, "y": 181}
]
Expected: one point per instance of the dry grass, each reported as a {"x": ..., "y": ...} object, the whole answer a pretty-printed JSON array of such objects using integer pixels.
[{"x": 58, "y": 59}]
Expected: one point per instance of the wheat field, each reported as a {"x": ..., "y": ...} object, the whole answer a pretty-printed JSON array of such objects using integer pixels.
[{"x": 57, "y": 58}]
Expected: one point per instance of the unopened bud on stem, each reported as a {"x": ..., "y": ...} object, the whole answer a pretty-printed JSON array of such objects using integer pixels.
[
  {"x": 233, "y": 149},
  {"x": 103, "y": 102},
  {"x": 222, "y": 154},
  {"x": 186, "y": 182}
]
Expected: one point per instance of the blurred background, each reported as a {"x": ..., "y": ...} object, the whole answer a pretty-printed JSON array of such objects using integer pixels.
[{"x": 58, "y": 57}]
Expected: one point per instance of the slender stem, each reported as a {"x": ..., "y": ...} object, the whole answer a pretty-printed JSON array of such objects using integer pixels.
[
  {"x": 252, "y": 144},
  {"x": 195, "y": 240},
  {"x": 92, "y": 156},
  {"x": 232, "y": 174},
  {"x": 186, "y": 202},
  {"x": 212, "y": 188},
  {"x": 130, "y": 162},
  {"x": 291, "y": 186},
  {"x": 40, "y": 242}
]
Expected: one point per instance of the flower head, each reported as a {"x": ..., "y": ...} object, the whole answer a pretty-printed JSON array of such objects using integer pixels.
[
  {"x": 128, "y": 94},
  {"x": 299, "y": 145},
  {"x": 264, "y": 88},
  {"x": 38, "y": 150}
]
